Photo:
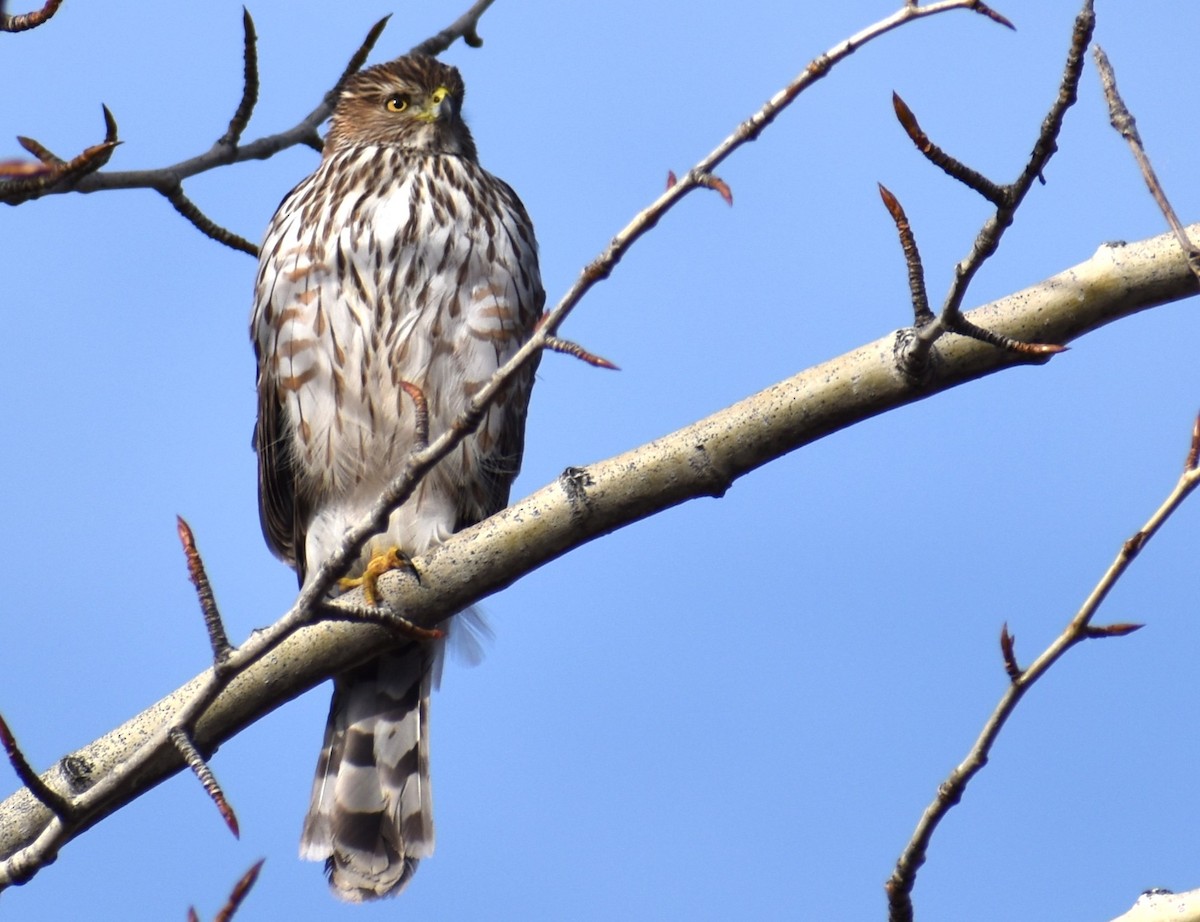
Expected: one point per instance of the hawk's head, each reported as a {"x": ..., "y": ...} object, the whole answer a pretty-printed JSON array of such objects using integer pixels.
[{"x": 413, "y": 102}]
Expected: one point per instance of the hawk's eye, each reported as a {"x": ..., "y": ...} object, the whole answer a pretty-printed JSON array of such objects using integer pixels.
[{"x": 397, "y": 103}]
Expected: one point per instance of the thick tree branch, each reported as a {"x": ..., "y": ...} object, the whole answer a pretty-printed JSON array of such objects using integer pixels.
[
  {"x": 1159, "y": 905},
  {"x": 92, "y": 801},
  {"x": 701, "y": 460}
]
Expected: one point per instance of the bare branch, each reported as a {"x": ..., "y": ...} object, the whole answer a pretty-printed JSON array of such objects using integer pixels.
[
  {"x": 166, "y": 180},
  {"x": 54, "y": 174},
  {"x": 241, "y": 117},
  {"x": 912, "y": 258},
  {"x": 44, "y": 155},
  {"x": 954, "y": 168},
  {"x": 899, "y": 886},
  {"x": 1123, "y": 121},
  {"x": 964, "y": 327},
  {"x": 198, "y": 707},
  {"x": 195, "y": 761},
  {"x": 354, "y": 65},
  {"x": 700, "y": 460},
  {"x": 202, "y": 222},
  {"x": 421, "y": 409},
  {"x": 913, "y": 352},
  {"x": 1121, "y": 629},
  {"x": 718, "y": 185},
  {"x": 240, "y": 890},
  {"x": 25, "y": 21},
  {"x": 1009, "y": 652},
  {"x": 218, "y": 639},
  {"x": 567, "y": 347},
  {"x": 1193, "y": 455},
  {"x": 465, "y": 27},
  {"x": 340, "y": 609},
  {"x": 701, "y": 174},
  {"x": 994, "y": 16},
  {"x": 57, "y": 804}
]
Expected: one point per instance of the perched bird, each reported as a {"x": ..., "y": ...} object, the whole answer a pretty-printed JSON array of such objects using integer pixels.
[{"x": 400, "y": 266}]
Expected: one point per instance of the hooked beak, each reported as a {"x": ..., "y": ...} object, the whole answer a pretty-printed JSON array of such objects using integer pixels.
[{"x": 436, "y": 106}]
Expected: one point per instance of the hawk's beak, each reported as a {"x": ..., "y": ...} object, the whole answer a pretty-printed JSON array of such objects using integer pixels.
[{"x": 437, "y": 107}]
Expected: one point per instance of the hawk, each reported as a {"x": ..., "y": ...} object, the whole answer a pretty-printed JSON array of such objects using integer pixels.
[{"x": 399, "y": 264}]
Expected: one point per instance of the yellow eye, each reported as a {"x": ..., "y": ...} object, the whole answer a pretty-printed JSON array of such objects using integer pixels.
[
  {"x": 397, "y": 103},
  {"x": 440, "y": 93}
]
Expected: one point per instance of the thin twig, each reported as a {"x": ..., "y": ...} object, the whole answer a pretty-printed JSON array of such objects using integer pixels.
[
  {"x": 41, "y": 152},
  {"x": 1009, "y": 652},
  {"x": 353, "y": 66},
  {"x": 202, "y": 222},
  {"x": 241, "y": 116},
  {"x": 1120, "y": 629},
  {"x": 421, "y": 413},
  {"x": 963, "y": 327},
  {"x": 1123, "y": 121},
  {"x": 55, "y": 802},
  {"x": 25, "y": 21},
  {"x": 54, "y": 174},
  {"x": 218, "y": 639},
  {"x": 240, "y": 890},
  {"x": 718, "y": 185},
  {"x": 899, "y": 886},
  {"x": 953, "y": 167},
  {"x": 465, "y": 27},
  {"x": 344, "y": 610},
  {"x": 912, "y": 258},
  {"x": 913, "y": 350},
  {"x": 568, "y": 347},
  {"x": 191, "y": 755}
]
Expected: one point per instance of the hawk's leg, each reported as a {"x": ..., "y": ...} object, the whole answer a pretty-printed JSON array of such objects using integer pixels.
[{"x": 391, "y": 559}]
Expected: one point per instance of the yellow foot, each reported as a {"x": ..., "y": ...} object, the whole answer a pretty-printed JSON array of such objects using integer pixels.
[{"x": 391, "y": 559}]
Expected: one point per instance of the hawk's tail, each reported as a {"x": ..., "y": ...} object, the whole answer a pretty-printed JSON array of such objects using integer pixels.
[{"x": 371, "y": 816}]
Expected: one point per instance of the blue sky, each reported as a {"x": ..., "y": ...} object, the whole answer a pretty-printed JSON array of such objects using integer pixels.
[{"x": 739, "y": 708}]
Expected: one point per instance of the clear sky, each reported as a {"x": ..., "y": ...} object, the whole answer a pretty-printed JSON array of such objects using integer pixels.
[{"x": 738, "y": 709}]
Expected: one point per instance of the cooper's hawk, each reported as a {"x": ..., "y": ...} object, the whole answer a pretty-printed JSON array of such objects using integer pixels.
[{"x": 399, "y": 262}]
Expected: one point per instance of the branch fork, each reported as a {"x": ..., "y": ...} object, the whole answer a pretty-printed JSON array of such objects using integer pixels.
[{"x": 914, "y": 348}]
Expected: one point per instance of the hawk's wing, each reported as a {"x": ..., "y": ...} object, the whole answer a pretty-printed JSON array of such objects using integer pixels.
[
  {"x": 281, "y": 519},
  {"x": 502, "y": 314},
  {"x": 282, "y": 512}
]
